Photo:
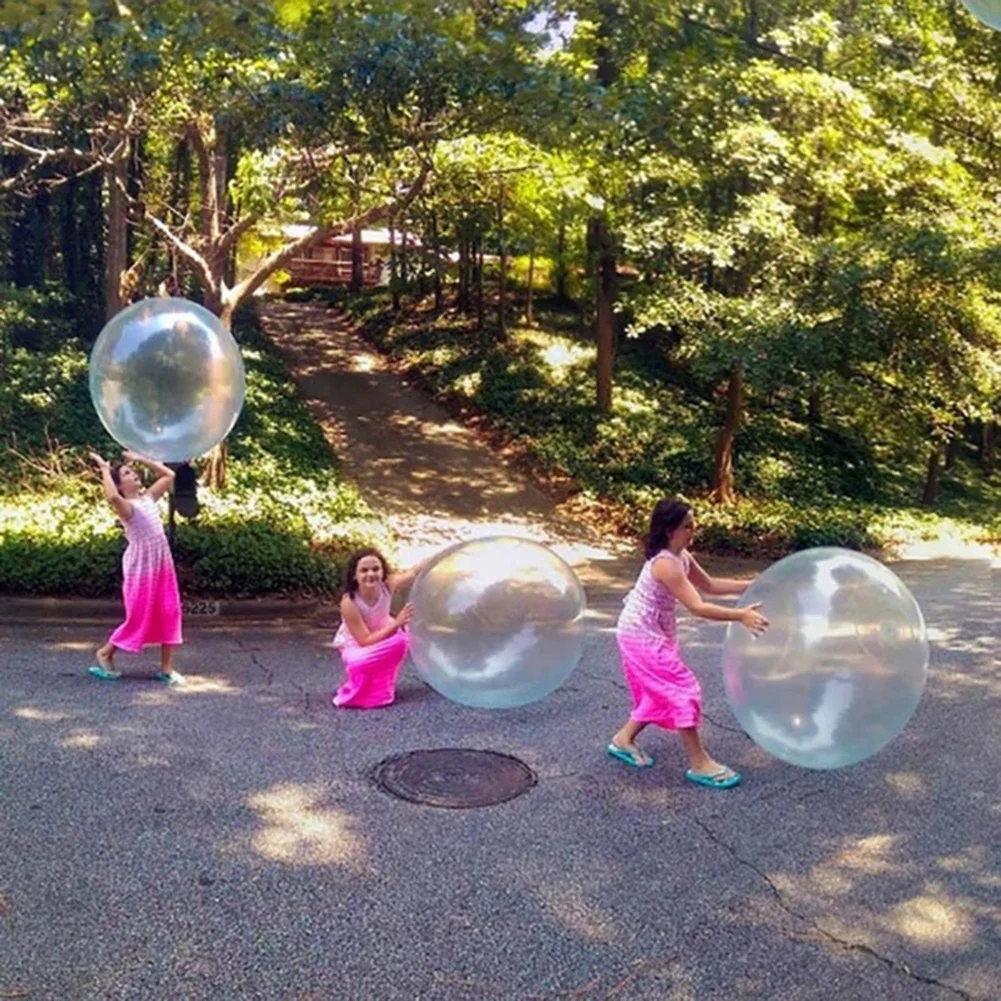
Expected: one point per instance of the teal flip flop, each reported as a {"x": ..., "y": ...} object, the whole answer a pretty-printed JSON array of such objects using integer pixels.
[
  {"x": 629, "y": 757},
  {"x": 716, "y": 780},
  {"x": 104, "y": 674},
  {"x": 173, "y": 678}
]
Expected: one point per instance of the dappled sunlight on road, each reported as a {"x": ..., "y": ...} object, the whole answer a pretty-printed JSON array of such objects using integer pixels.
[
  {"x": 961, "y": 686},
  {"x": 571, "y": 905},
  {"x": 81, "y": 740},
  {"x": 194, "y": 684},
  {"x": 650, "y": 798},
  {"x": 933, "y": 920},
  {"x": 877, "y": 890},
  {"x": 976, "y": 863},
  {"x": 908, "y": 785},
  {"x": 300, "y": 831},
  {"x": 152, "y": 760},
  {"x": 44, "y": 715},
  {"x": 567, "y": 905},
  {"x": 865, "y": 855},
  {"x": 73, "y": 645}
]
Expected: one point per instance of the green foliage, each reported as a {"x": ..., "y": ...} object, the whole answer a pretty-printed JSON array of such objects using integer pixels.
[
  {"x": 58, "y": 543},
  {"x": 43, "y": 390},
  {"x": 283, "y": 524},
  {"x": 801, "y": 194},
  {"x": 801, "y": 484}
]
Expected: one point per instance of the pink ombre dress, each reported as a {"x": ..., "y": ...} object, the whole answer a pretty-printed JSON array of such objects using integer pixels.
[
  {"x": 371, "y": 670},
  {"x": 149, "y": 586},
  {"x": 664, "y": 689}
]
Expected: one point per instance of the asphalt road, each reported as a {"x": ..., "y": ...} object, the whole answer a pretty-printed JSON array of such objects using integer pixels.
[{"x": 227, "y": 841}]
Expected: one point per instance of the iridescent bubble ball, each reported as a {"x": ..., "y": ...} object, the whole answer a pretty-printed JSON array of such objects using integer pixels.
[
  {"x": 167, "y": 379},
  {"x": 988, "y": 11},
  {"x": 497, "y": 622},
  {"x": 842, "y": 667}
]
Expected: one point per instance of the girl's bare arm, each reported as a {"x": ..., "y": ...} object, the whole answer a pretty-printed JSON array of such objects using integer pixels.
[
  {"x": 120, "y": 505},
  {"x": 356, "y": 624}
]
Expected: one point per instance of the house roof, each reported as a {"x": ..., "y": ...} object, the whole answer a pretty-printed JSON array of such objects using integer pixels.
[{"x": 372, "y": 237}]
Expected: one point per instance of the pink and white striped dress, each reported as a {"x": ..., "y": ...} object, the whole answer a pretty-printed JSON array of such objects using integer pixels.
[
  {"x": 149, "y": 585},
  {"x": 664, "y": 689},
  {"x": 371, "y": 670}
]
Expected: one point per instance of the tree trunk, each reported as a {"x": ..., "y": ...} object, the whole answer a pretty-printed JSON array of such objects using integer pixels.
[
  {"x": 134, "y": 186},
  {"x": 72, "y": 258},
  {"x": 479, "y": 280},
  {"x": 815, "y": 412},
  {"x": 502, "y": 278},
  {"x": 929, "y": 495},
  {"x": 952, "y": 450},
  {"x": 723, "y": 490},
  {"x": 216, "y": 463},
  {"x": 214, "y": 303},
  {"x": 463, "y": 296},
  {"x": 215, "y": 467},
  {"x": 394, "y": 265},
  {"x": 228, "y": 162},
  {"x": 562, "y": 270},
  {"x": 180, "y": 198},
  {"x": 92, "y": 240},
  {"x": 25, "y": 264},
  {"x": 357, "y": 283},
  {"x": 988, "y": 445},
  {"x": 751, "y": 21},
  {"x": 404, "y": 256},
  {"x": 116, "y": 261},
  {"x": 602, "y": 251},
  {"x": 529, "y": 313},
  {"x": 45, "y": 248},
  {"x": 436, "y": 250}
]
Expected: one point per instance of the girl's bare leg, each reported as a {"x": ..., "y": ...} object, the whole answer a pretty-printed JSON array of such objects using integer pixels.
[
  {"x": 702, "y": 762},
  {"x": 626, "y": 739}
]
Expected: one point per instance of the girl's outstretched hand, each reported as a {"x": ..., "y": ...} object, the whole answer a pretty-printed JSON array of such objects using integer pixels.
[
  {"x": 405, "y": 614},
  {"x": 102, "y": 464},
  {"x": 753, "y": 620}
]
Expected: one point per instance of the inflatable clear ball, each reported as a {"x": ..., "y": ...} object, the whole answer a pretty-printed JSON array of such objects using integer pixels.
[
  {"x": 497, "y": 622},
  {"x": 988, "y": 11},
  {"x": 167, "y": 379},
  {"x": 842, "y": 667}
]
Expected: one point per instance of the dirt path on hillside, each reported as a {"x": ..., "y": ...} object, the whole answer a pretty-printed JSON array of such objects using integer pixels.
[{"x": 435, "y": 480}]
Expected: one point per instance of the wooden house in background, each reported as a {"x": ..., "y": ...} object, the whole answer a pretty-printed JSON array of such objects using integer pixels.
[{"x": 329, "y": 262}]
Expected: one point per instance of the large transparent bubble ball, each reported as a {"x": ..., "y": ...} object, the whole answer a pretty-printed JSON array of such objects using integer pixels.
[
  {"x": 497, "y": 622},
  {"x": 167, "y": 379},
  {"x": 842, "y": 667},
  {"x": 988, "y": 11}
]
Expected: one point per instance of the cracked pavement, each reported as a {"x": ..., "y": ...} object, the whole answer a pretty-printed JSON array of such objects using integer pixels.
[{"x": 226, "y": 840}]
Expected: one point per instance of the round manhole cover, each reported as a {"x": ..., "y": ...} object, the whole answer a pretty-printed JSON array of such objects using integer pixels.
[{"x": 455, "y": 778}]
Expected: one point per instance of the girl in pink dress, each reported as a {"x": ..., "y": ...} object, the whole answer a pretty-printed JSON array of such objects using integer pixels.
[
  {"x": 373, "y": 643},
  {"x": 664, "y": 689},
  {"x": 149, "y": 585}
]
